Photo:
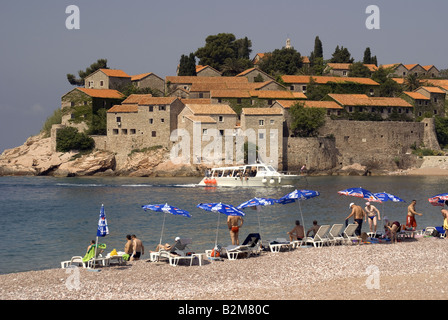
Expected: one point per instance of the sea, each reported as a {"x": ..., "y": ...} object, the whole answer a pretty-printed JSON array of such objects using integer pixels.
[{"x": 46, "y": 220}]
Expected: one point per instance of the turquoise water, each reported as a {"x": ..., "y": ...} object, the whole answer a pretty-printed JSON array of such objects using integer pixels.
[{"x": 46, "y": 220}]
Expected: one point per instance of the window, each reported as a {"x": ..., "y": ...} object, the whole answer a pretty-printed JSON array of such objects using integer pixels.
[
  {"x": 238, "y": 100},
  {"x": 271, "y": 121},
  {"x": 261, "y": 122},
  {"x": 162, "y": 108},
  {"x": 304, "y": 89},
  {"x": 124, "y": 131},
  {"x": 115, "y": 131},
  {"x": 204, "y": 132},
  {"x": 102, "y": 83},
  {"x": 291, "y": 88},
  {"x": 221, "y": 132},
  {"x": 261, "y": 136},
  {"x": 344, "y": 73},
  {"x": 435, "y": 100},
  {"x": 435, "y": 111},
  {"x": 151, "y": 121},
  {"x": 162, "y": 120},
  {"x": 221, "y": 119},
  {"x": 118, "y": 119},
  {"x": 153, "y": 134},
  {"x": 150, "y": 108},
  {"x": 350, "y": 109},
  {"x": 201, "y": 95},
  {"x": 72, "y": 104},
  {"x": 132, "y": 131}
]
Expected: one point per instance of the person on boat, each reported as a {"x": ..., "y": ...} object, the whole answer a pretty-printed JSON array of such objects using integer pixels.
[
  {"x": 358, "y": 214},
  {"x": 139, "y": 249},
  {"x": 234, "y": 223},
  {"x": 372, "y": 211},
  {"x": 313, "y": 229},
  {"x": 297, "y": 233},
  {"x": 411, "y": 224}
]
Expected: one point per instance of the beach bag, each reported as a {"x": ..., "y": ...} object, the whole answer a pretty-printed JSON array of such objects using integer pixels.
[
  {"x": 114, "y": 253},
  {"x": 435, "y": 233}
]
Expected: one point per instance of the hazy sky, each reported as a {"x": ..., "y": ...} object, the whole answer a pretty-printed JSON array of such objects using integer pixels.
[{"x": 37, "y": 50}]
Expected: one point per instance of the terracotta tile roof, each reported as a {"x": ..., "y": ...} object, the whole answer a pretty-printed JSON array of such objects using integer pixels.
[
  {"x": 436, "y": 82},
  {"x": 427, "y": 68},
  {"x": 140, "y": 76},
  {"x": 102, "y": 93},
  {"x": 196, "y": 101},
  {"x": 416, "y": 95},
  {"x": 364, "y": 100},
  {"x": 391, "y": 65},
  {"x": 432, "y": 89},
  {"x": 277, "y": 94},
  {"x": 208, "y": 109},
  {"x": 310, "y": 104},
  {"x": 115, "y": 73},
  {"x": 410, "y": 66},
  {"x": 200, "y": 68},
  {"x": 262, "y": 111},
  {"x": 202, "y": 119},
  {"x": 346, "y": 66},
  {"x": 325, "y": 80},
  {"x": 135, "y": 98},
  {"x": 120, "y": 108},
  {"x": 230, "y": 93},
  {"x": 305, "y": 59},
  {"x": 193, "y": 79},
  {"x": 156, "y": 100}
]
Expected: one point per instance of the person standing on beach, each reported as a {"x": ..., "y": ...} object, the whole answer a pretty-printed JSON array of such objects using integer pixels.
[
  {"x": 358, "y": 214},
  {"x": 139, "y": 249},
  {"x": 129, "y": 246},
  {"x": 410, "y": 218},
  {"x": 372, "y": 211},
  {"x": 233, "y": 222},
  {"x": 445, "y": 217}
]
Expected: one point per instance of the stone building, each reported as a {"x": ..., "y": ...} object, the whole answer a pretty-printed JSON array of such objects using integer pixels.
[
  {"x": 435, "y": 105},
  {"x": 253, "y": 74},
  {"x": 343, "y": 69},
  {"x": 149, "y": 80},
  {"x": 80, "y": 104},
  {"x": 144, "y": 124},
  {"x": 107, "y": 79},
  {"x": 207, "y": 71},
  {"x": 403, "y": 70}
]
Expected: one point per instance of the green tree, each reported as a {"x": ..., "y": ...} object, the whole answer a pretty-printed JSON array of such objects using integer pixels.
[
  {"x": 441, "y": 124},
  {"x": 411, "y": 82},
  {"x": 187, "y": 65},
  {"x": 55, "y": 118},
  {"x": 69, "y": 139},
  {"x": 282, "y": 61},
  {"x": 358, "y": 69},
  {"x": 305, "y": 122},
  {"x": 317, "y": 58},
  {"x": 318, "y": 50},
  {"x": 224, "y": 49},
  {"x": 99, "y": 64},
  {"x": 388, "y": 87},
  {"x": 341, "y": 55}
]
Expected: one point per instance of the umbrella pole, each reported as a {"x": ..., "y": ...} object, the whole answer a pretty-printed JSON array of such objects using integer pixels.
[
  {"x": 303, "y": 221},
  {"x": 163, "y": 226},
  {"x": 96, "y": 248}
]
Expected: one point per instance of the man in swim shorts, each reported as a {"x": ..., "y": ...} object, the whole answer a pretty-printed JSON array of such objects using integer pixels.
[
  {"x": 411, "y": 224},
  {"x": 233, "y": 222},
  {"x": 372, "y": 211},
  {"x": 358, "y": 214},
  {"x": 297, "y": 233}
]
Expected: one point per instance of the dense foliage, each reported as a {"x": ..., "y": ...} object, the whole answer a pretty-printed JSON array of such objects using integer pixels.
[
  {"x": 99, "y": 64},
  {"x": 305, "y": 122},
  {"x": 69, "y": 139},
  {"x": 282, "y": 61}
]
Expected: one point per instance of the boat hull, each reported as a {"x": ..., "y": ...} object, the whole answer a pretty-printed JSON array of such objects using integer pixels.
[{"x": 275, "y": 181}]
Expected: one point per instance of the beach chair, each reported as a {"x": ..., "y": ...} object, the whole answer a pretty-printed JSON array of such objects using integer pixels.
[
  {"x": 178, "y": 252},
  {"x": 320, "y": 238},
  {"x": 334, "y": 235},
  {"x": 90, "y": 259},
  {"x": 280, "y": 243},
  {"x": 349, "y": 234},
  {"x": 251, "y": 246}
]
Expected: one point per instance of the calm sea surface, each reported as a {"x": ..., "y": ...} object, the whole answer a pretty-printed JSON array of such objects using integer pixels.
[{"x": 46, "y": 220}]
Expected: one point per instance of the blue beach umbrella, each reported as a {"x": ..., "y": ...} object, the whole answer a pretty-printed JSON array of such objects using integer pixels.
[
  {"x": 257, "y": 203},
  {"x": 438, "y": 200},
  {"x": 103, "y": 229},
  {"x": 384, "y": 197},
  {"x": 223, "y": 208},
  {"x": 360, "y": 193},
  {"x": 298, "y": 195},
  {"x": 165, "y": 208}
]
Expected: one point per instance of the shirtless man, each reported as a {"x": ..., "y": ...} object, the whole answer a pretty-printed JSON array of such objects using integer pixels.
[
  {"x": 297, "y": 233},
  {"x": 358, "y": 214},
  {"x": 234, "y": 226},
  {"x": 139, "y": 249},
  {"x": 445, "y": 217},
  {"x": 410, "y": 219}
]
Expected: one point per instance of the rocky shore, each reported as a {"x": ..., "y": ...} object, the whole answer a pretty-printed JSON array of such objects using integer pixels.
[{"x": 409, "y": 270}]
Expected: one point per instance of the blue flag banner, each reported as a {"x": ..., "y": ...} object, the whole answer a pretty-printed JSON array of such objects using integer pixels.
[{"x": 103, "y": 229}]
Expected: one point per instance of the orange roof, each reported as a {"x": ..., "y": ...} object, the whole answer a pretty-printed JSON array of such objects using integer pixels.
[
  {"x": 140, "y": 76},
  {"x": 135, "y": 98},
  {"x": 196, "y": 101},
  {"x": 277, "y": 94},
  {"x": 392, "y": 65},
  {"x": 230, "y": 93},
  {"x": 305, "y": 59},
  {"x": 364, "y": 100},
  {"x": 432, "y": 89},
  {"x": 101, "y": 93},
  {"x": 410, "y": 66},
  {"x": 202, "y": 119},
  {"x": 115, "y": 73},
  {"x": 156, "y": 100},
  {"x": 429, "y": 67},
  {"x": 199, "y": 68},
  {"x": 325, "y": 80},
  {"x": 416, "y": 95},
  {"x": 310, "y": 104},
  {"x": 207, "y": 109},
  {"x": 262, "y": 111},
  {"x": 436, "y": 82},
  {"x": 195, "y": 79},
  {"x": 127, "y": 108}
]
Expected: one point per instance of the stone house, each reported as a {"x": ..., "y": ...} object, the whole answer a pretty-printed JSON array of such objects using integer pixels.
[
  {"x": 431, "y": 71},
  {"x": 381, "y": 106},
  {"x": 436, "y": 105},
  {"x": 264, "y": 127},
  {"x": 255, "y": 73},
  {"x": 185, "y": 82},
  {"x": 300, "y": 83},
  {"x": 343, "y": 69},
  {"x": 418, "y": 100},
  {"x": 79, "y": 104},
  {"x": 207, "y": 71},
  {"x": 203, "y": 125},
  {"x": 403, "y": 70},
  {"x": 107, "y": 79},
  {"x": 149, "y": 80},
  {"x": 146, "y": 123}
]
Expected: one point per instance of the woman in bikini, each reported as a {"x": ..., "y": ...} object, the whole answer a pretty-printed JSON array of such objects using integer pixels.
[{"x": 372, "y": 211}]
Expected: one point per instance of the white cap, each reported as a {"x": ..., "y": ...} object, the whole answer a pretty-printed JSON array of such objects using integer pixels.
[
  {"x": 177, "y": 239},
  {"x": 367, "y": 203},
  {"x": 351, "y": 204}
]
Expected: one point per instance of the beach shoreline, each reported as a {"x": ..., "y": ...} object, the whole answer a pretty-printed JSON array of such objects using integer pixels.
[{"x": 412, "y": 269}]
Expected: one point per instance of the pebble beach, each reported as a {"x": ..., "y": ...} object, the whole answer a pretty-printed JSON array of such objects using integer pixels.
[{"x": 413, "y": 269}]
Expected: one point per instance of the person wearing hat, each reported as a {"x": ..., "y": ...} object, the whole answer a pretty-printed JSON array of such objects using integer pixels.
[
  {"x": 372, "y": 211},
  {"x": 167, "y": 246},
  {"x": 358, "y": 214}
]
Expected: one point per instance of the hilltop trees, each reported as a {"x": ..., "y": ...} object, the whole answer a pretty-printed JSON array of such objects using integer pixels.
[
  {"x": 99, "y": 64},
  {"x": 187, "y": 65},
  {"x": 368, "y": 59},
  {"x": 341, "y": 55},
  {"x": 225, "y": 53},
  {"x": 317, "y": 57},
  {"x": 282, "y": 61}
]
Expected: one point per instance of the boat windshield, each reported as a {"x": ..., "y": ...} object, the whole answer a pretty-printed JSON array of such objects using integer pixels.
[{"x": 270, "y": 168}]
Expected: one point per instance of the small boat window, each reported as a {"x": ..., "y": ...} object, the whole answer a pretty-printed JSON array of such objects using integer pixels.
[
  {"x": 261, "y": 169},
  {"x": 271, "y": 168}
]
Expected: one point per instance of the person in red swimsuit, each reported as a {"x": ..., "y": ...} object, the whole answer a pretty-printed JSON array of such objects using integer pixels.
[{"x": 411, "y": 224}]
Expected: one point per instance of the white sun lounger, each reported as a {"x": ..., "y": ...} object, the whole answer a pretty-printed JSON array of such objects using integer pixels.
[{"x": 320, "y": 238}]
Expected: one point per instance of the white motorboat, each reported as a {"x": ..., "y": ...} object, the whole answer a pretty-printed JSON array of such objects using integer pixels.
[{"x": 249, "y": 175}]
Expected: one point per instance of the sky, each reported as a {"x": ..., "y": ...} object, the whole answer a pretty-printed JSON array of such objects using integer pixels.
[{"x": 139, "y": 36}]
